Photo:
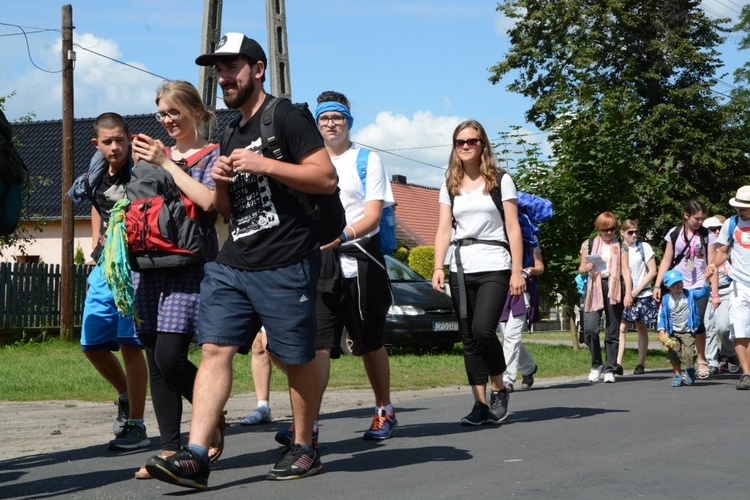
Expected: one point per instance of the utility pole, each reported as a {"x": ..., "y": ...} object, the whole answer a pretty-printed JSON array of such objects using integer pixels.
[
  {"x": 66, "y": 270},
  {"x": 209, "y": 40},
  {"x": 278, "y": 53}
]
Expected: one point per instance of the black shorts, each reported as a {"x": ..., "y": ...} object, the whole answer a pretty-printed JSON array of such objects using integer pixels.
[{"x": 336, "y": 311}]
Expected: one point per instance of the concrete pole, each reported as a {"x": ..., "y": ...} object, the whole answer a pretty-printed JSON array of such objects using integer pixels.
[
  {"x": 278, "y": 52},
  {"x": 209, "y": 40}
]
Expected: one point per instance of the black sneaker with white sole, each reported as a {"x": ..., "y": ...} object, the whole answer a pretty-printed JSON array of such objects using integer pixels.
[
  {"x": 296, "y": 463},
  {"x": 478, "y": 415},
  {"x": 498, "y": 409},
  {"x": 184, "y": 468}
]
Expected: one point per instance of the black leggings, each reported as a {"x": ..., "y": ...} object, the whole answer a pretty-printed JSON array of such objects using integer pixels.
[
  {"x": 485, "y": 295},
  {"x": 172, "y": 377}
]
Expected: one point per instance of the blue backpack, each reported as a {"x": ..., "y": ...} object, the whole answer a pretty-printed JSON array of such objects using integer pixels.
[
  {"x": 387, "y": 217},
  {"x": 731, "y": 227},
  {"x": 532, "y": 211}
]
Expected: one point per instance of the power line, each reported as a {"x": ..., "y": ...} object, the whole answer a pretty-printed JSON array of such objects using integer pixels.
[
  {"x": 119, "y": 62},
  {"x": 28, "y": 47}
]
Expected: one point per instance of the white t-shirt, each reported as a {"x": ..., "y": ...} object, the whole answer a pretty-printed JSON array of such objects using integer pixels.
[
  {"x": 638, "y": 268},
  {"x": 353, "y": 197},
  {"x": 477, "y": 217},
  {"x": 740, "y": 270}
]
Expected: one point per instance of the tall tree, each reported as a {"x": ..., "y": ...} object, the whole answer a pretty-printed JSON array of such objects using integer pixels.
[{"x": 624, "y": 88}]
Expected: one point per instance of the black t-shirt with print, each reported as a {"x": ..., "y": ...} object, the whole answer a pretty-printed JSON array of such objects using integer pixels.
[
  {"x": 269, "y": 227},
  {"x": 109, "y": 191}
]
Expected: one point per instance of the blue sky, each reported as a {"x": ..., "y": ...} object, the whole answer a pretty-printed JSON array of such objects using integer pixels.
[{"x": 412, "y": 69}]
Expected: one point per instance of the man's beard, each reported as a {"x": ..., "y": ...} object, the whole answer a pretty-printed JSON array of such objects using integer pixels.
[{"x": 240, "y": 97}]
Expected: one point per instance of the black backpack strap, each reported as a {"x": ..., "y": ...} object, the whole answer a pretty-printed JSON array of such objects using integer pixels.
[
  {"x": 268, "y": 129},
  {"x": 226, "y": 134},
  {"x": 463, "y": 312}
]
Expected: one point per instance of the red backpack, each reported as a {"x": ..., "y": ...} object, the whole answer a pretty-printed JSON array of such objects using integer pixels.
[{"x": 163, "y": 225}]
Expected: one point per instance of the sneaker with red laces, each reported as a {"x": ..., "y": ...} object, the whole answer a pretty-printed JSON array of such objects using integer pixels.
[
  {"x": 382, "y": 425},
  {"x": 285, "y": 436}
]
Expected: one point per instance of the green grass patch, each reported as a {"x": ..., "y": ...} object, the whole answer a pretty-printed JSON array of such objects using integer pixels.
[{"x": 55, "y": 369}]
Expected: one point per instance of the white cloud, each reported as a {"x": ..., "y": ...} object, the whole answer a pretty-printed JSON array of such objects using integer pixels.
[
  {"x": 422, "y": 138},
  {"x": 99, "y": 84}
]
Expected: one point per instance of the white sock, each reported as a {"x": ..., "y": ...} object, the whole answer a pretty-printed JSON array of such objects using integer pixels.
[
  {"x": 263, "y": 402},
  {"x": 385, "y": 409}
]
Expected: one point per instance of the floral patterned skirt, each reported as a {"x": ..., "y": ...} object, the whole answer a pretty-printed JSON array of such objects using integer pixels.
[{"x": 643, "y": 310}]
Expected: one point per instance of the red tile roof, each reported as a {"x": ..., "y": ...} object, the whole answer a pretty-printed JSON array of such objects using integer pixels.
[{"x": 416, "y": 212}]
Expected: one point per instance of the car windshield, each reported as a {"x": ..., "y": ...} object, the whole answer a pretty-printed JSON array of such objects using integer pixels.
[{"x": 398, "y": 271}]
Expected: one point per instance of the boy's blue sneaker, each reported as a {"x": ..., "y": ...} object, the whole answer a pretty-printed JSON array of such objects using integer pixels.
[
  {"x": 382, "y": 425},
  {"x": 677, "y": 381},
  {"x": 689, "y": 376}
]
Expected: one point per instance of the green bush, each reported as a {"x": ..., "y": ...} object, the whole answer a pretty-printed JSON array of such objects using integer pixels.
[
  {"x": 79, "y": 259},
  {"x": 422, "y": 260},
  {"x": 401, "y": 254}
]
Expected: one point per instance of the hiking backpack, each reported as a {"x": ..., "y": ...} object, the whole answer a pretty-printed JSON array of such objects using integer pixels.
[
  {"x": 325, "y": 210},
  {"x": 13, "y": 176},
  {"x": 387, "y": 216},
  {"x": 532, "y": 211},
  {"x": 163, "y": 225}
]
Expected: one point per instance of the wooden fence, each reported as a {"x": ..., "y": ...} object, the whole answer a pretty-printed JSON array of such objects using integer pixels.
[{"x": 30, "y": 295}]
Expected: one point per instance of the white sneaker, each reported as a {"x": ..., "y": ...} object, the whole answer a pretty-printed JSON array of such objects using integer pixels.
[
  {"x": 609, "y": 378},
  {"x": 595, "y": 374},
  {"x": 258, "y": 416}
]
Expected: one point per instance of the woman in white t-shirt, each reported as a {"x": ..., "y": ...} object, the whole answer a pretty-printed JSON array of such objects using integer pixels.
[
  {"x": 486, "y": 262},
  {"x": 643, "y": 310}
]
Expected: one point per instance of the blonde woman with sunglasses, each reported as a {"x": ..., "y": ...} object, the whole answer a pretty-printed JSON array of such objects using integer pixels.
[{"x": 643, "y": 310}]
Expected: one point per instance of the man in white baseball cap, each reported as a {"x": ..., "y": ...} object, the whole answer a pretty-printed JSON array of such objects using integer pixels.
[
  {"x": 266, "y": 272},
  {"x": 735, "y": 235},
  {"x": 232, "y": 45}
]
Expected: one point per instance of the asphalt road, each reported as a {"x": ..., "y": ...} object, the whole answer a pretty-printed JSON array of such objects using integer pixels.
[{"x": 637, "y": 438}]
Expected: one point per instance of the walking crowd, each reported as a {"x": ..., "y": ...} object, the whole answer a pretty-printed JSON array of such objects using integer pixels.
[{"x": 278, "y": 289}]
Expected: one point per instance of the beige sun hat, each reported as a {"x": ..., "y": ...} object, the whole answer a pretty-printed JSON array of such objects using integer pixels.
[{"x": 742, "y": 199}]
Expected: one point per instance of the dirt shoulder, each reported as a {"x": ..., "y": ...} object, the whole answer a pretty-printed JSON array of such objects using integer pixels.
[{"x": 31, "y": 428}]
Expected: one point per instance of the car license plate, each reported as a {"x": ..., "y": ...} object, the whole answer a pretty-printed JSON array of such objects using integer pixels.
[{"x": 445, "y": 326}]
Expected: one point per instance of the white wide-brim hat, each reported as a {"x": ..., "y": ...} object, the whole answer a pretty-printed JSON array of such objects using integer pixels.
[
  {"x": 712, "y": 222},
  {"x": 742, "y": 199}
]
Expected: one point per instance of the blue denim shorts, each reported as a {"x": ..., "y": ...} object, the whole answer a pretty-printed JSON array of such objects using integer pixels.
[
  {"x": 103, "y": 326},
  {"x": 235, "y": 303}
]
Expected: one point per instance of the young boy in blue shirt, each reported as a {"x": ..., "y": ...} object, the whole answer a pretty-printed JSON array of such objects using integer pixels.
[{"x": 679, "y": 318}]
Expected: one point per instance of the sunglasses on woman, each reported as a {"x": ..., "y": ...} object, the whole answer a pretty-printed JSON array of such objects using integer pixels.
[
  {"x": 459, "y": 143},
  {"x": 632, "y": 232}
]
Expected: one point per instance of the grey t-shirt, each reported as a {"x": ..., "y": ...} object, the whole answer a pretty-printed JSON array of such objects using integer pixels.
[{"x": 679, "y": 312}]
